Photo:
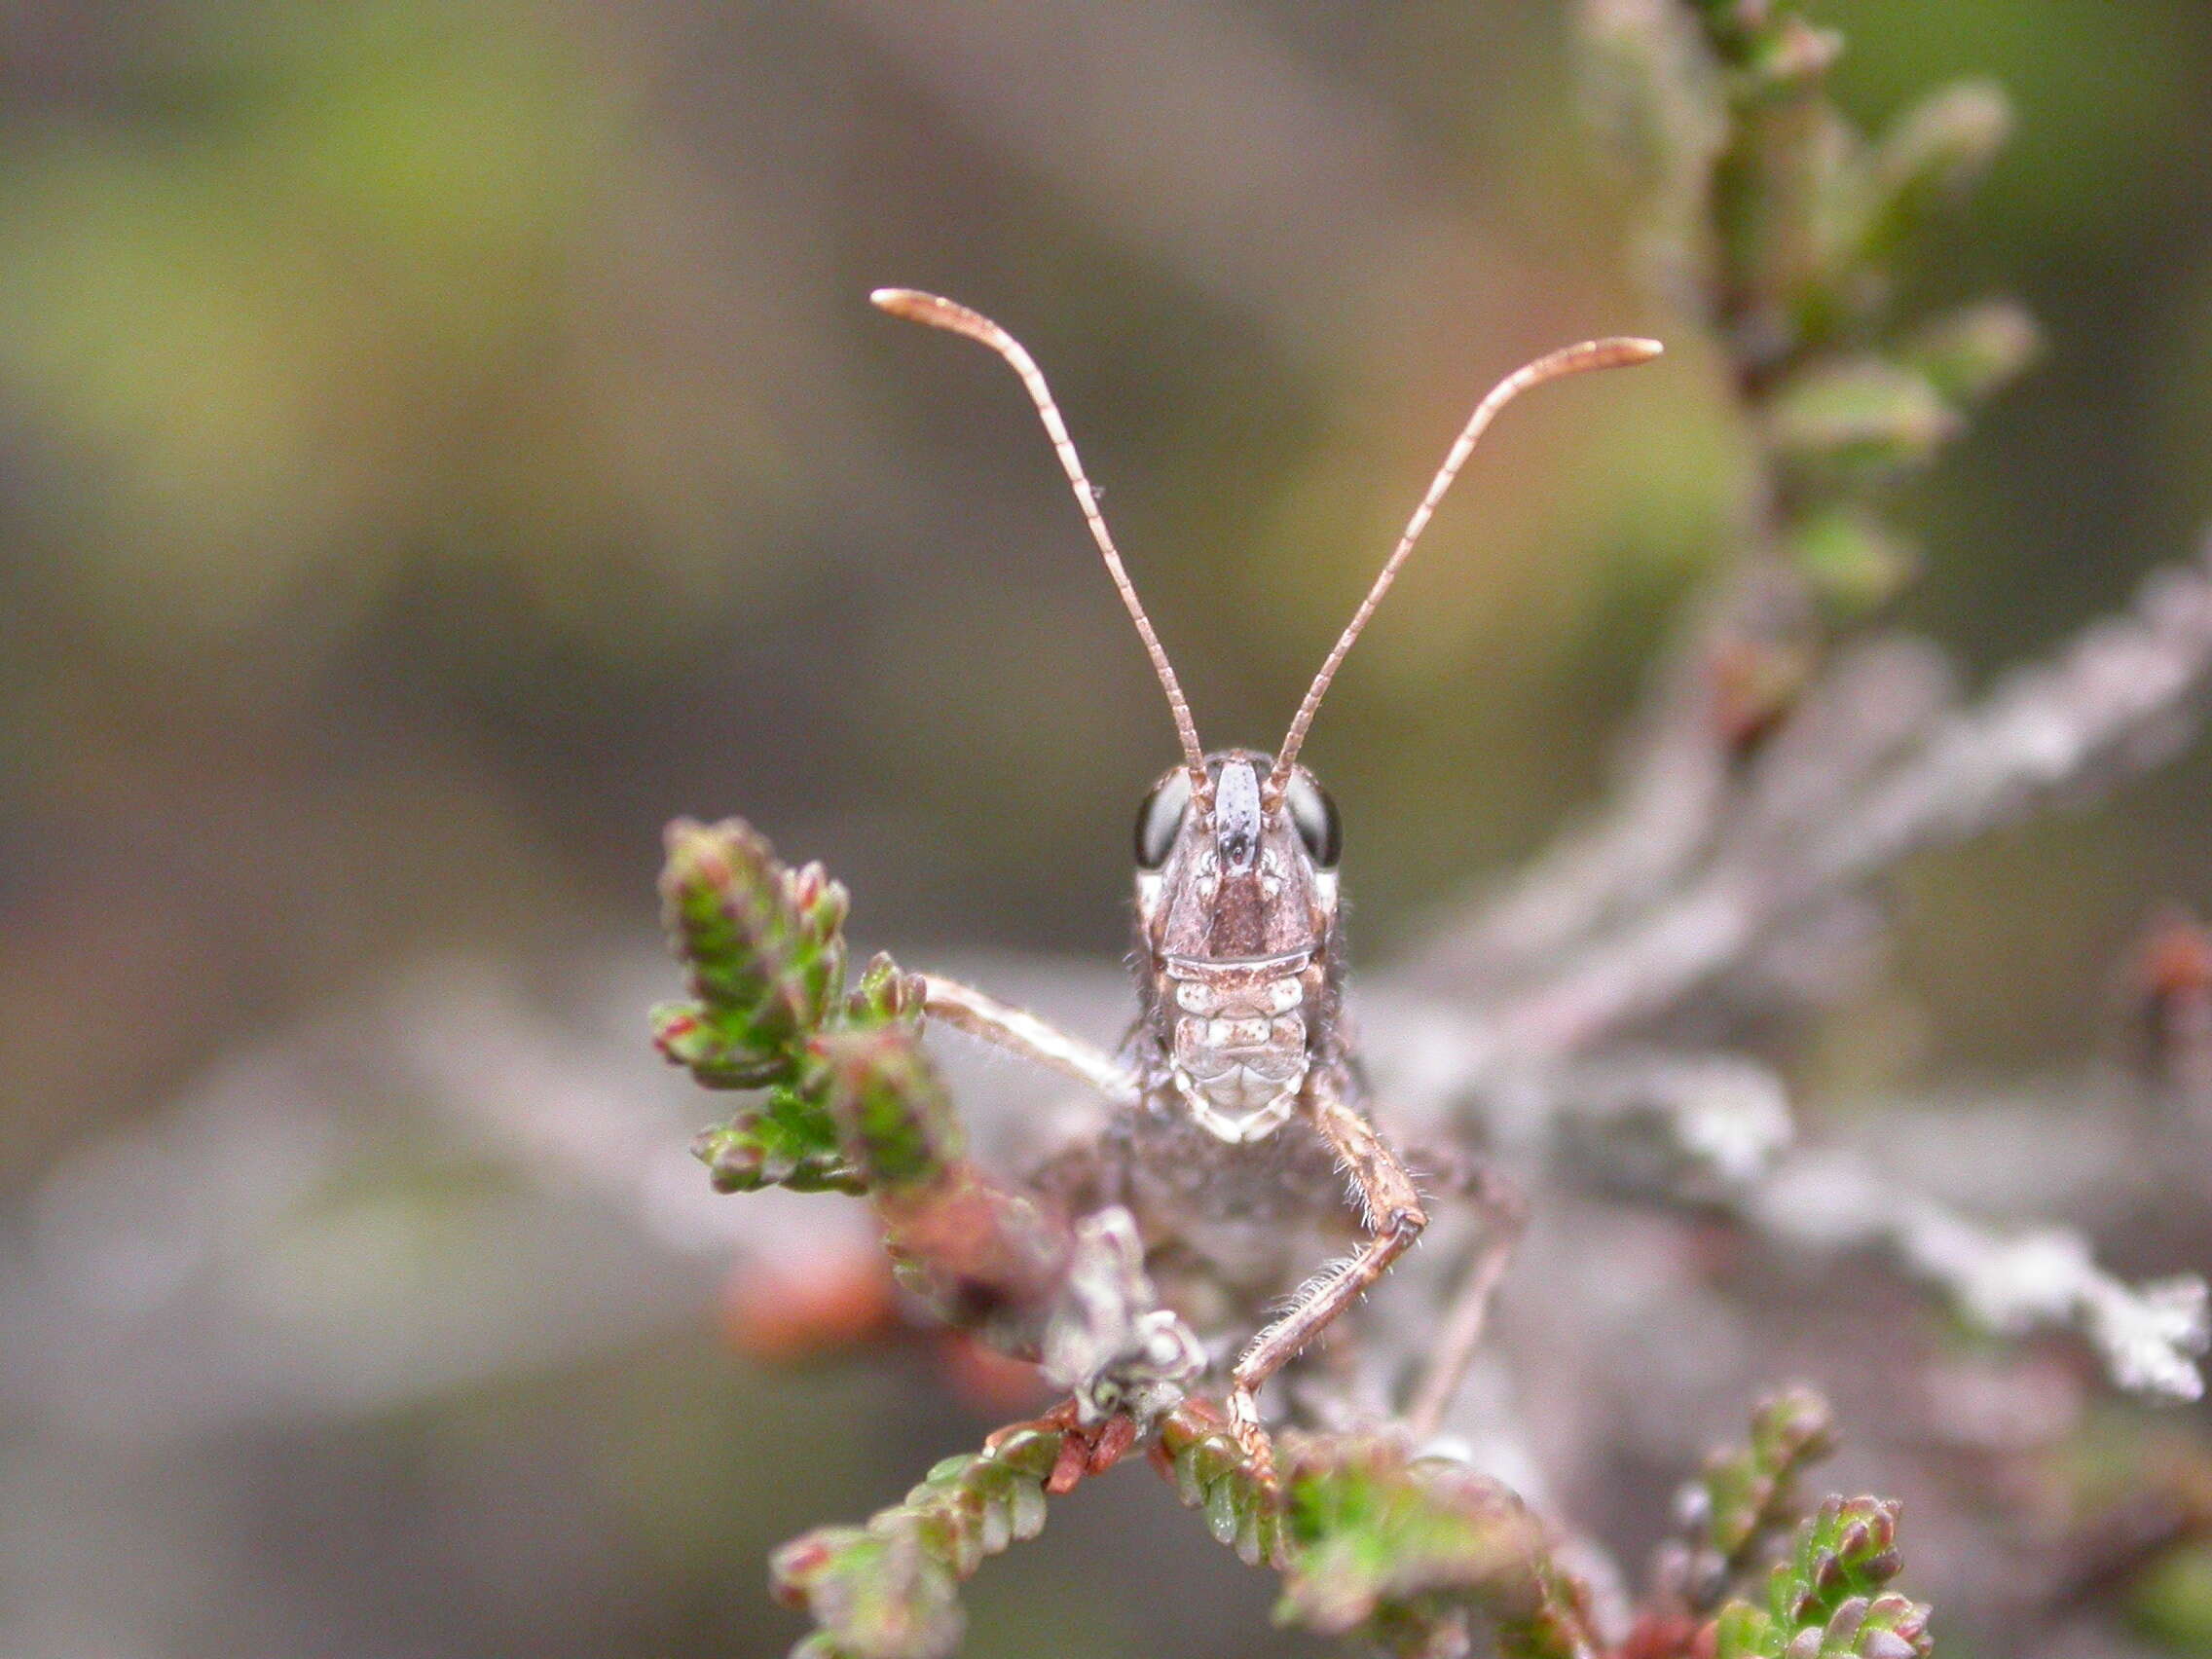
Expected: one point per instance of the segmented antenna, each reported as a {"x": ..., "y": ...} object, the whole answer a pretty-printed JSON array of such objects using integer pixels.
[
  {"x": 1610, "y": 353},
  {"x": 939, "y": 312}
]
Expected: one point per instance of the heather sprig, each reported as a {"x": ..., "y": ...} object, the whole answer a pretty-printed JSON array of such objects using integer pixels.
[
  {"x": 1829, "y": 1600},
  {"x": 890, "y": 1590},
  {"x": 1747, "y": 1495},
  {"x": 764, "y": 948},
  {"x": 1794, "y": 235},
  {"x": 847, "y": 1101},
  {"x": 1241, "y": 1502},
  {"x": 1411, "y": 1553}
]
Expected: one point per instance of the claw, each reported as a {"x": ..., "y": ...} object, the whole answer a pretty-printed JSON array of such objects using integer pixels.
[{"x": 1251, "y": 1439}]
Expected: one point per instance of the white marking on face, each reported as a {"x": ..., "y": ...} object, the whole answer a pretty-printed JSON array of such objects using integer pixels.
[{"x": 1151, "y": 884}]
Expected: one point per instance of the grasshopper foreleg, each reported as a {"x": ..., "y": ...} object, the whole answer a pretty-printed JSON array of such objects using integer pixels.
[
  {"x": 1390, "y": 1208},
  {"x": 966, "y": 1009}
]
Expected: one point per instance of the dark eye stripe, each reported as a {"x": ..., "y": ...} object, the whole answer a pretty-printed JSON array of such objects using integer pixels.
[
  {"x": 1159, "y": 817},
  {"x": 1313, "y": 812}
]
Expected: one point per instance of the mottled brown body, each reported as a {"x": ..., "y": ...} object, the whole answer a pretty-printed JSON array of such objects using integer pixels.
[
  {"x": 1240, "y": 980},
  {"x": 1236, "y": 1157},
  {"x": 1227, "y": 1229}
]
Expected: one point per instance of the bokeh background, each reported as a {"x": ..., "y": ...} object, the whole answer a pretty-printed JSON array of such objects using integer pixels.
[{"x": 440, "y": 441}]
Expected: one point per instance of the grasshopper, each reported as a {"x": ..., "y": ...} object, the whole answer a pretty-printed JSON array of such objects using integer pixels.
[{"x": 1239, "y": 1112}]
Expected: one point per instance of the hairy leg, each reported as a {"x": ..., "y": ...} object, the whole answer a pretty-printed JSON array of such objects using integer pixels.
[
  {"x": 966, "y": 1009},
  {"x": 1392, "y": 1210}
]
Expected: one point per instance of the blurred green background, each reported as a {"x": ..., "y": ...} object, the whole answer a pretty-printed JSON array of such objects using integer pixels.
[{"x": 441, "y": 441}]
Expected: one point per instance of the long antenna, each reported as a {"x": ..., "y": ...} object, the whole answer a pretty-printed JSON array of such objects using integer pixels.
[
  {"x": 957, "y": 319},
  {"x": 1610, "y": 353}
]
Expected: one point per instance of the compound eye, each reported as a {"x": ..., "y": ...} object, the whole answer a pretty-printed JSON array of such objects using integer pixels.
[
  {"x": 1160, "y": 818},
  {"x": 1314, "y": 816}
]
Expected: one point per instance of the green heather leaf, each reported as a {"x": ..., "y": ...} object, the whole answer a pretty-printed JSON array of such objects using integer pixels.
[
  {"x": 1402, "y": 1550},
  {"x": 849, "y": 1097},
  {"x": 1851, "y": 561},
  {"x": 883, "y": 995},
  {"x": 1929, "y": 158},
  {"x": 763, "y": 950},
  {"x": 1828, "y": 1600},
  {"x": 1793, "y": 232},
  {"x": 1239, "y": 1501},
  {"x": 1747, "y": 1494},
  {"x": 892, "y": 1118},
  {"x": 890, "y": 1590},
  {"x": 1970, "y": 355},
  {"x": 1861, "y": 416},
  {"x": 785, "y": 1140}
]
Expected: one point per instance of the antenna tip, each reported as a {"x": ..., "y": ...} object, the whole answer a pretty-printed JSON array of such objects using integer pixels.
[
  {"x": 1614, "y": 351},
  {"x": 938, "y": 311}
]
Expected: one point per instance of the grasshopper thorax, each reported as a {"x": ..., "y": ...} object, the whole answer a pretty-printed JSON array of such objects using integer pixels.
[{"x": 1236, "y": 910}]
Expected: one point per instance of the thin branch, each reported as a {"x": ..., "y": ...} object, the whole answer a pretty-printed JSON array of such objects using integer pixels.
[
  {"x": 2148, "y": 1337},
  {"x": 2109, "y": 704}
]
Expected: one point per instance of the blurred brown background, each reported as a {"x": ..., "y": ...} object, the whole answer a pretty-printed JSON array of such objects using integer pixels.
[{"x": 439, "y": 442}]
